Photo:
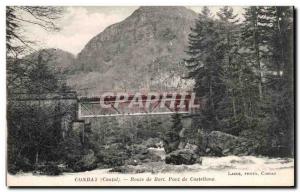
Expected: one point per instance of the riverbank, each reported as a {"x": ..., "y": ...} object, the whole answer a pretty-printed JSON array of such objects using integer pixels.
[{"x": 230, "y": 170}]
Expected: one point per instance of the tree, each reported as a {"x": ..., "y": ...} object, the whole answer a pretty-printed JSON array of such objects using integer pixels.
[
  {"x": 34, "y": 132},
  {"x": 17, "y": 45},
  {"x": 204, "y": 67},
  {"x": 249, "y": 84},
  {"x": 278, "y": 23},
  {"x": 33, "y": 74},
  {"x": 254, "y": 38},
  {"x": 231, "y": 67},
  {"x": 172, "y": 136},
  {"x": 17, "y": 16}
]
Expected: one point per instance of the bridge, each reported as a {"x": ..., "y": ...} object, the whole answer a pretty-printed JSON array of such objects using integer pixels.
[
  {"x": 113, "y": 104},
  {"x": 137, "y": 104},
  {"x": 74, "y": 111}
]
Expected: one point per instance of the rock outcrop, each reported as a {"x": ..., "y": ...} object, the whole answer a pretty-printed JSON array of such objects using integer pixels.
[
  {"x": 141, "y": 154},
  {"x": 220, "y": 144},
  {"x": 183, "y": 156}
]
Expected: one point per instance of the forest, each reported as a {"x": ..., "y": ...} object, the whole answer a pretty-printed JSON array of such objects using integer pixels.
[
  {"x": 242, "y": 66},
  {"x": 246, "y": 71}
]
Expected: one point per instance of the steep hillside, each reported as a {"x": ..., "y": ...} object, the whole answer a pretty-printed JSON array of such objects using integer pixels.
[
  {"x": 144, "y": 51},
  {"x": 59, "y": 60}
]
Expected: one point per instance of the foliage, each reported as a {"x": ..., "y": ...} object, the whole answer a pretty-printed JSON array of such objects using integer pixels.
[
  {"x": 171, "y": 137},
  {"x": 18, "y": 16},
  {"x": 244, "y": 70}
]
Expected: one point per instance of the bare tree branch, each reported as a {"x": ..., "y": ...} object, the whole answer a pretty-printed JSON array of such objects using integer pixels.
[{"x": 16, "y": 16}]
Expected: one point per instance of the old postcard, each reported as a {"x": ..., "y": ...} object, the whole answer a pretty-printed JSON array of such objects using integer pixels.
[{"x": 150, "y": 96}]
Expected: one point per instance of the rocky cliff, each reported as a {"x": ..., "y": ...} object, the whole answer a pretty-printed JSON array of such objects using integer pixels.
[{"x": 144, "y": 51}]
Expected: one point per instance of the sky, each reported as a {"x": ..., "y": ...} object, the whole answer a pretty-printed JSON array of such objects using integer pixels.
[{"x": 80, "y": 24}]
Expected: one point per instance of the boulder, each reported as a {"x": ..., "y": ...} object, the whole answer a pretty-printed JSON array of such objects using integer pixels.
[
  {"x": 192, "y": 147},
  {"x": 220, "y": 144},
  {"x": 143, "y": 157},
  {"x": 158, "y": 152},
  {"x": 183, "y": 156},
  {"x": 140, "y": 154},
  {"x": 171, "y": 146}
]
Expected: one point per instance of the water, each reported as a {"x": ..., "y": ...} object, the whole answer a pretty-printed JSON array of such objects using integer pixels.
[{"x": 217, "y": 168}]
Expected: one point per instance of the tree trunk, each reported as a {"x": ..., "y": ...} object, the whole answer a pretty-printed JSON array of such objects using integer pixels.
[
  {"x": 36, "y": 157},
  {"x": 234, "y": 107},
  {"x": 257, "y": 56}
]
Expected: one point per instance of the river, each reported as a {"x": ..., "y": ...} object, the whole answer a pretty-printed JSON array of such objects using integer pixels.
[{"x": 229, "y": 170}]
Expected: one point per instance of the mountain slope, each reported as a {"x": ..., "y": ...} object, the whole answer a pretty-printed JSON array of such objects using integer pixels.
[
  {"x": 57, "y": 59},
  {"x": 142, "y": 52}
]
